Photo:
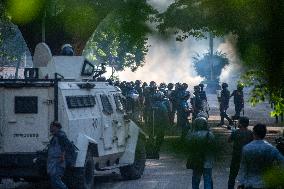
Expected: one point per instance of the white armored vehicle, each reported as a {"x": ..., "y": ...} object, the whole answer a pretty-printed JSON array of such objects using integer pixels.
[{"x": 91, "y": 113}]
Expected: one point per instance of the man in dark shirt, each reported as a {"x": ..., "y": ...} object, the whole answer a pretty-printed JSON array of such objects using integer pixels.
[
  {"x": 56, "y": 161},
  {"x": 240, "y": 137}
]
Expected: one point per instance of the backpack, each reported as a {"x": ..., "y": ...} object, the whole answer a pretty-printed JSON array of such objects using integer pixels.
[{"x": 71, "y": 150}]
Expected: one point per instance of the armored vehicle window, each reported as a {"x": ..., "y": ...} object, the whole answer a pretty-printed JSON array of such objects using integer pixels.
[
  {"x": 26, "y": 105},
  {"x": 88, "y": 69},
  {"x": 107, "y": 108},
  {"x": 82, "y": 101},
  {"x": 118, "y": 103}
]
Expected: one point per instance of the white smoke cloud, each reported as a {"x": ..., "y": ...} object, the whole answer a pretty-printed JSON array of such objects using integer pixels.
[
  {"x": 170, "y": 61},
  {"x": 231, "y": 73},
  {"x": 160, "y": 5}
]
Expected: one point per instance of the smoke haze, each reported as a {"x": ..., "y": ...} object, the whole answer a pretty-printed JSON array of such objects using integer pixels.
[
  {"x": 171, "y": 61},
  {"x": 231, "y": 73}
]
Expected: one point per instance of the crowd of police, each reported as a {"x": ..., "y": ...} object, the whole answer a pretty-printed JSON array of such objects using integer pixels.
[{"x": 157, "y": 106}]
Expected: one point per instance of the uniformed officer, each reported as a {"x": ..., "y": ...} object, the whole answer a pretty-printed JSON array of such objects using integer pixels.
[
  {"x": 196, "y": 102},
  {"x": 224, "y": 104},
  {"x": 203, "y": 98},
  {"x": 238, "y": 100},
  {"x": 158, "y": 122},
  {"x": 139, "y": 104},
  {"x": 148, "y": 93},
  {"x": 56, "y": 162},
  {"x": 132, "y": 98},
  {"x": 169, "y": 95},
  {"x": 184, "y": 113},
  {"x": 202, "y": 93}
]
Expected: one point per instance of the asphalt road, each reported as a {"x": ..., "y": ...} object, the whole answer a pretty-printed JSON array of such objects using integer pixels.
[{"x": 169, "y": 172}]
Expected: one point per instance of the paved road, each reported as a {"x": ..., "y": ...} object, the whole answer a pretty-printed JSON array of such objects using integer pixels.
[
  {"x": 169, "y": 172},
  {"x": 166, "y": 173}
]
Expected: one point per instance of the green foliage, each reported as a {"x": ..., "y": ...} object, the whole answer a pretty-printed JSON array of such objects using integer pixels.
[
  {"x": 12, "y": 45},
  {"x": 74, "y": 22},
  {"x": 202, "y": 64},
  {"x": 120, "y": 39},
  {"x": 261, "y": 91},
  {"x": 258, "y": 25},
  {"x": 274, "y": 178}
]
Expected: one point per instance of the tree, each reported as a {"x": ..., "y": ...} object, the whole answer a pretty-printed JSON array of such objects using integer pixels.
[
  {"x": 111, "y": 45},
  {"x": 72, "y": 21},
  {"x": 203, "y": 67},
  {"x": 259, "y": 27}
]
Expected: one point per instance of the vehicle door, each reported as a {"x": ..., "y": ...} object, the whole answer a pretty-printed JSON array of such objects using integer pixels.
[
  {"x": 28, "y": 113},
  {"x": 106, "y": 120}
]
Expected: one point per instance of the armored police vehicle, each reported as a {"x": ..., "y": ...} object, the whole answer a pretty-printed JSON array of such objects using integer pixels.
[{"x": 63, "y": 88}]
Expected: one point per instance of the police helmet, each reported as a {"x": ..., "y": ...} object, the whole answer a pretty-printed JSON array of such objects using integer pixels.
[
  {"x": 225, "y": 85},
  {"x": 67, "y": 50},
  {"x": 196, "y": 88},
  {"x": 184, "y": 86},
  {"x": 202, "y": 114},
  {"x": 170, "y": 86},
  {"x": 240, "y": 86},
  {"x": 144, "y": 84},
  {"x": 200, "y": 124},
  {"x": 153, "y": 84},
  {"x": 163, "y": 85},
  {"x": 137, "y": 82},
  {"x": 201, "y": 85}
]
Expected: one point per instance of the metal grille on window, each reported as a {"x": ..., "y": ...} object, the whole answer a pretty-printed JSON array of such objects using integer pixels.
[
  {"x": 118, "y": 103},
  {"x": 26, "y": 104},
  {"x": 82, "y": 101},
  {"x": 107, "y": 108}
]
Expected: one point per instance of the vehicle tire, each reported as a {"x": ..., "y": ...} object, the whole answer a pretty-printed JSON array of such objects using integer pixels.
[
  {"x": 82, "y": 178},
  {"x": 135, "y": 171}
]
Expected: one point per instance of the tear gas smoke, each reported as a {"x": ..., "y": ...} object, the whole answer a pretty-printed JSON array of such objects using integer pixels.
[
  {"x": 171, "y": 61},
  {"x": 231, "y": 73}
]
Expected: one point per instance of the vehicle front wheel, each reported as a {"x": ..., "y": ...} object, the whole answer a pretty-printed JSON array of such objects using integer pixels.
[
  {"x": 82, "y": 178},
  {"x": 135, "y": 171}
]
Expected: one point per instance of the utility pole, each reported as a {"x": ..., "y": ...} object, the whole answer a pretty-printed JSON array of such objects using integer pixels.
[
  {"x": 211, "y": 55},
  {"x": 43, "y": 26}
]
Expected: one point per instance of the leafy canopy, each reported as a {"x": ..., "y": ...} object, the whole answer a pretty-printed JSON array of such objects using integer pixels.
[{"x": 258, "y": 25}]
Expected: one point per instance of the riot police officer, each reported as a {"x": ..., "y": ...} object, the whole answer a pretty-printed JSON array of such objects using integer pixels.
[
  {"x": 132, "y": 98},
  {"x": 148, "y": 93},
  {"x": 202, "y": 93},
  {"x": 183, "y": 114},
  {"x": 169, "y": 96},
  {"x": 139, "y": 105},
  {"x": 224, "y": 104},
  {"x": 238, "y": 100},
  {"x": 203, "y": 98},
  {"x": 158, "y": 122},
  {"x": 196, "y": 102}
]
